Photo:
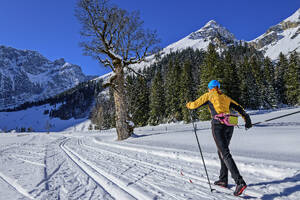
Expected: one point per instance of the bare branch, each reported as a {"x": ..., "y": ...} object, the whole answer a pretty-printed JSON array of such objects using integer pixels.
[{"x": 106, "y": 63}]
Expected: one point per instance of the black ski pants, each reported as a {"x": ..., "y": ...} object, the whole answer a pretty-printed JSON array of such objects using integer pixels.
[{"x": 222, "y": 135}]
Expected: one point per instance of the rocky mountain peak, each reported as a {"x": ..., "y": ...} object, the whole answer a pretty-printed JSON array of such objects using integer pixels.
[
  {"x": 283, "y": 37},
  {"x": 27, "y": 76},
  {"x": 212, "y": 30},
  {"x": 212, "y": 23}
]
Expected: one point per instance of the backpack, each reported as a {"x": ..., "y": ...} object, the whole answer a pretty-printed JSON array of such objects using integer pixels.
[{"x": 227, "y": 119}]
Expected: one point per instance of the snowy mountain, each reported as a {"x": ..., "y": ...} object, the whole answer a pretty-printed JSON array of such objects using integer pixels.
[
  {"x": 212, "y": 32},
  {"x": 28, "y": 76},
  {"x": 283, "y": 37}
]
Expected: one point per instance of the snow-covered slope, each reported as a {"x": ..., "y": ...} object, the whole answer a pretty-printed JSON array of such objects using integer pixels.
[
  {"x": 283, "y": 37},
  {"x": 28, "y": 76},
  {"x": 34, "y": 118},
  {"x": 158, "y": 163}
]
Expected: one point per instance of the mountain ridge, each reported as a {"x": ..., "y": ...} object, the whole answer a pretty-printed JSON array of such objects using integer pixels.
[{"x": 283, "y": 37}]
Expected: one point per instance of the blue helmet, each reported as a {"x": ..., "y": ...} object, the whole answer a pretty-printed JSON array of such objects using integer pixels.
[{"x": 213, "y": 83}]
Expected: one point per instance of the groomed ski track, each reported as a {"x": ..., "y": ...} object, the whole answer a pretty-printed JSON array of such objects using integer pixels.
[{"x": 118, "y": 173}]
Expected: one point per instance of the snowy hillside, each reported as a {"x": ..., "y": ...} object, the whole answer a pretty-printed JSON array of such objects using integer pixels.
[
  {"x": 283, "y": 37},
  {"x": 35, "y": 119},
  {"x": 27, "y": 76},
  {"x": 159, "y": 162}
]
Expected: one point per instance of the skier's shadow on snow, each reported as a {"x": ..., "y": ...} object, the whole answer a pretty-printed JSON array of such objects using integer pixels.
[{"x": 286, "y": 192}]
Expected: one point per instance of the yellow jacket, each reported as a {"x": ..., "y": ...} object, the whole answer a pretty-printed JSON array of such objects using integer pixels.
[{"x": 217, "y": 102}]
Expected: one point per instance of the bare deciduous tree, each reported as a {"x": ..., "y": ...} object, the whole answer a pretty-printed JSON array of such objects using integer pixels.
[{"x": 117, "y": 39}]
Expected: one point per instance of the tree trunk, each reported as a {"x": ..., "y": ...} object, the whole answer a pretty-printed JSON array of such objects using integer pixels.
[{"x": 123, "y": 125}]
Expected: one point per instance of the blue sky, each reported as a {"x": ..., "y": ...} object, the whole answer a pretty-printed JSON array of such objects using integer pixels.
[{"x": 50, "y": 27}]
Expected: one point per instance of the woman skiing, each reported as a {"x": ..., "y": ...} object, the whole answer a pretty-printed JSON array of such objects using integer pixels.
[{"x": 219, "y": 105}]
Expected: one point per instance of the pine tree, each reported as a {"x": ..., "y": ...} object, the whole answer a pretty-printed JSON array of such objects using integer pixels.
[
  {"x": 268, "y": 91},
  {"x": 173, "y": 108},
  {"x": 291, "y": 80},
  {"x": 210, "y": 69},
  {"x": 231, "y": 82},
  {"x": 280, "y": 71},
  {"x": 248, "y": 88},
  {"x": 186, "y": 92},
  {"x": 169, "y": 89},
  {"x": 138, "y": 99},
  {"x": 157, "y": 100},
  {"x": 143, "y": 103},
  {"x": 257, "y": 83}
]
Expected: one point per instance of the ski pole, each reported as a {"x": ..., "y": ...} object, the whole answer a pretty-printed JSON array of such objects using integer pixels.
[
  {"x": 276, "y": 118},
  {"x": 195, "y": 131}
]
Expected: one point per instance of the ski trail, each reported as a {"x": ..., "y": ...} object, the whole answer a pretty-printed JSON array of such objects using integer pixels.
[
  {"x": 148, "y": 165},
  {"x": 198, "y": 182},
  {"x": 13, "y": 183},
  {"x": 62, "y": 179},
  {"x": 110, "y": 183}
]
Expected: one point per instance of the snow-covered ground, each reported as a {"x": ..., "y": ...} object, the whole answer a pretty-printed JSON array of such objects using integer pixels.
[
  {"x": 35, "y": 119},
  {"x": 161, "y": 162}
]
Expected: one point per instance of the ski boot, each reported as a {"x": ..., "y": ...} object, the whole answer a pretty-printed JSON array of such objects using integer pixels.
[
  {"x": 240, "y": 188},
  {"x": 221, "y": 183}
]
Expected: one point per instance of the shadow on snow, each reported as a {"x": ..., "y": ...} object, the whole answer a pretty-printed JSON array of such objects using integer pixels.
[{"x": 286, "y": 192}]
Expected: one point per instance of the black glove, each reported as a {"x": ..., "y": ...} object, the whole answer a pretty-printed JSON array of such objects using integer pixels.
[{"x": 248, "y": 122}]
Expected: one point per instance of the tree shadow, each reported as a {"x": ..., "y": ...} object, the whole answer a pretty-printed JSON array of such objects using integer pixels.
[
  {"x": 279, "y": 124},
  {"x": 286, "y": 192},
  {"x": 135, "y": 135}
]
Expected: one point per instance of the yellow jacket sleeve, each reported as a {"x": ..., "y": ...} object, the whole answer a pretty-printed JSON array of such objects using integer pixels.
[{"x": 199, "y": 102}]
